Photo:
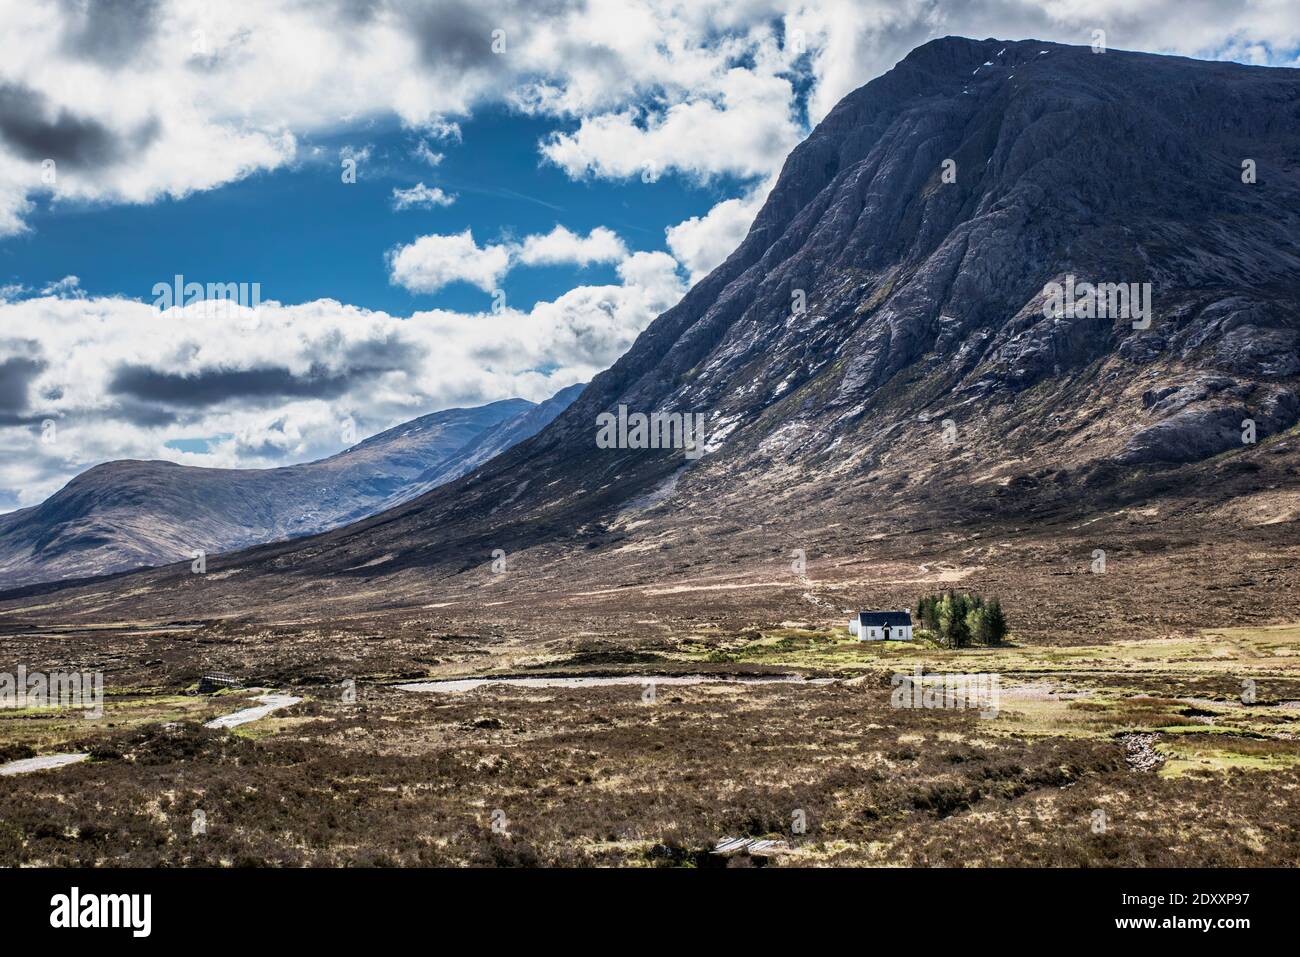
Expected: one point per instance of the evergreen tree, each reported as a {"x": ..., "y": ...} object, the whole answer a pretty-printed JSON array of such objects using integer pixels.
[
  {"x": 959, "y": 619},
  {"x": 997, "y": 623},
  {"x": 960, "y": 633},
  {"x": 926, "y": 614},
  {"x": 952, "y": 620}
]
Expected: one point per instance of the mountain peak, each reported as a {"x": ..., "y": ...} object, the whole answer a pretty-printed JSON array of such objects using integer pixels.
[{"x": 882, "y": 353}]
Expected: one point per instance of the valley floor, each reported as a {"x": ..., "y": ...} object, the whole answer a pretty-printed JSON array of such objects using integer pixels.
[{"x": 1131, "y": 753}]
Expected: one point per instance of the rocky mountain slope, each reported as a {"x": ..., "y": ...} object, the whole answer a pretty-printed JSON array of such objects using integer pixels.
[
  {"x": 128, "y": 514},
  {"x": 487, "y": 445},
  {"x": 881, "y": 370}
]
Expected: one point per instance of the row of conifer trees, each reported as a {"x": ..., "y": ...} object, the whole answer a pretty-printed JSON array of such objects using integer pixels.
[{"x": 958, "y": 619}]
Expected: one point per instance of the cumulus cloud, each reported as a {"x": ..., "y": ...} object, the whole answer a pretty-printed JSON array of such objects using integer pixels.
[
  {"x": 560, "y": 245},
  {"x": 701, "y": 243},
  {"x": 142, "y": 99},
  {"x": 134, "y": 101},
  {"x": 110, "y": 33},
  {"x": 16, "y": 375},
  {"x": 34, "y": 131},
  {"x": 747, "y": 130},
  {"x": 121, "y": 379},
  {"x": 431, "y": 262},
  {"x": 420, "y": 196}
]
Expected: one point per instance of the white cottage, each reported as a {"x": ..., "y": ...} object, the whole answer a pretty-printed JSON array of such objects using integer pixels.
[{"x": 882, "y": 625}]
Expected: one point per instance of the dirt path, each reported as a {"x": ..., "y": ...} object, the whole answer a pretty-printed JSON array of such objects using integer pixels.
[
  {"x": 41, "y": 763},
  {"x": 270, "y": 702}
]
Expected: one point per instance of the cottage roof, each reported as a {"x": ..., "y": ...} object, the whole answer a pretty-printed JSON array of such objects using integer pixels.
[{"x": 878, "y": 619}]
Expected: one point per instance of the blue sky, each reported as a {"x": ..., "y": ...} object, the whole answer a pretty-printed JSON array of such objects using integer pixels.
[
  {"x": 141, "y": 139},
  {"x": 304, "y": 234}
]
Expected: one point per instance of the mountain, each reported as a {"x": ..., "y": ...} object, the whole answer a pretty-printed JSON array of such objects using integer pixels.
[
  {"x": 128, "y": 514},
  {"x": 887, "y": 384},
  {"x": 488, "y": 444}
]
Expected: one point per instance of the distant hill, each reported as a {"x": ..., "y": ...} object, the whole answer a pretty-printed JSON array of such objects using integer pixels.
[
  {"x": 488, "y": 445},
  {"x": 131, "y": 514}
]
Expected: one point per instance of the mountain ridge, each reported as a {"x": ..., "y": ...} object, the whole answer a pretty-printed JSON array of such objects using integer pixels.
[
  {"x": 132, "y": 513},
  {"x": 830, "y": 427}
]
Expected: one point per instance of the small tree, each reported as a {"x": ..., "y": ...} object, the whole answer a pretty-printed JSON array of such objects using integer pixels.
[
  {"x": 953, "y": 609},
  {"x": 996, "y": 622},
  {"x": 961, "y": 609},
  {"x": 927, "y": 613}
]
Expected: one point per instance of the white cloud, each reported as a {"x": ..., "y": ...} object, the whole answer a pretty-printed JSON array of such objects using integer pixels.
[
  {"x": 746, "y": 131},
  {"x": 432, "y": 262},
  {"x": 181, "y": 95},
  {"x": 69, "y": 287},
  {"x": 701, "y": 243},
  {"x": 443, "y": 129},
  {"x": 655, "y": 273},
  {"x": 560, "y": 246},
  {"x": 122, "y": 379},
  {"x": 421, "y": 196},
  {"x": 424, "y": 152},
  {"x": 361, "y": 156}
]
